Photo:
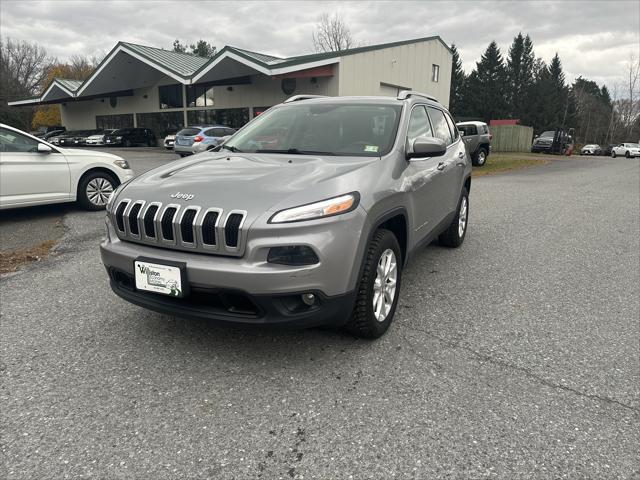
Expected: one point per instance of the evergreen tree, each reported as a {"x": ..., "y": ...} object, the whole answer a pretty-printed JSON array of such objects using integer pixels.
[
  {"x": 178, "y": 47},
  {"x": 458, "y": 78},
  {"x": 520, "y": 75},
  {"x": 203, "y": 49},
  {"x": 559, "y": 107},
  {"x": 485, "y": 88}
]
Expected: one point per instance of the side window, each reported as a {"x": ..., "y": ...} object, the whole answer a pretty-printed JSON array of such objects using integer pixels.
[
  {"x": 11, "y": 141},
  {"x": 418, "y": 124},
  {"x": 229, "y": 131},
  {"x": 452, "y": 126},
  {"x": 218, "y": 132},
  {"x": 440, "y": 127}
]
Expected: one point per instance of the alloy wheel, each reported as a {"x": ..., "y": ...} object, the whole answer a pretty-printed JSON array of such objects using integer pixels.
[
  {"x": 384, "y": 286},
  {"x": 462, "y": 217},
  {"x": 99, "y": 190}
]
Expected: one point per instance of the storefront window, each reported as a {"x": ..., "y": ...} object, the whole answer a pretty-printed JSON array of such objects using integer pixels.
[
  {"x": 162, "y": 123},
  {"x": 124, "y": 120},
  {"x": 231, "y": 117},
  {"x": 259, "y": 110},
  {"x": 199, "y": 96},
  {"x": 170, "y": 96}
]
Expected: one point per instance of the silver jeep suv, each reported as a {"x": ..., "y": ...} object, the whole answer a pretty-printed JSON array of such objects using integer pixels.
[{"x": 304, "y": 217}]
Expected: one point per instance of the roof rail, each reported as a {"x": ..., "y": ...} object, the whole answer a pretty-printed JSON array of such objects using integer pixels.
[
  {"x": 297, "y": 98},
  {"x": 404, "y": 94}
]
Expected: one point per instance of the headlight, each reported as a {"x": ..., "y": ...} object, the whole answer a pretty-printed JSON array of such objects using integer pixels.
[
  {"x": 325, "y": 208},
  {"x": 122, "y": 164}
]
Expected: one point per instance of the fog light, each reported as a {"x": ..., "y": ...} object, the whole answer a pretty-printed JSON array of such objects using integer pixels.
[
  {"x": 292, "y": 255},
  {"x": 308, "y": 298}
]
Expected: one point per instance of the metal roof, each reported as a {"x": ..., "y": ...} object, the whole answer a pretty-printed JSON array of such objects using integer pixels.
[
  {"x": 184, "y": 64},
  {"x": 72, "y": 85},
  {"x": 261, "y": 57}
]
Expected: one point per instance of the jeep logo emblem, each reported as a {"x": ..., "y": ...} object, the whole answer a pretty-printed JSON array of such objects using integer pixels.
[{"x": 182, "y": 196}]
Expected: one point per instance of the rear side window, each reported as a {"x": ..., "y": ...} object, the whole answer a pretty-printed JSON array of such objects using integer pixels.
[
  {"x": 468, "y": 130},
  {"x": 418, "y": 124},
  {"x": 452, "y": 126},
  {"x": 440, "y": 127},
  {"x": 189, "y": 131},
  {"x": 229, "y": 131}
]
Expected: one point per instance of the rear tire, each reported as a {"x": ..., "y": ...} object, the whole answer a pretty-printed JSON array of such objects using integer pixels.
[
  {"x": 94, "y": 190},
  {"x": 378, "y": 291},
  {"x": 454, "y": 235},
  {"x": 479, "y": 158},
  {"x": 627, "y": 154}
]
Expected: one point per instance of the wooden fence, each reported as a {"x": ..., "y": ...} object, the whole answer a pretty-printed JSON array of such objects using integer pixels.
[{"x": 511, "y": 138}]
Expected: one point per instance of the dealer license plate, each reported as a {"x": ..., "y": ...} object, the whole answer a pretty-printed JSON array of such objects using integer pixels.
[{"x": 158, "y": 278}]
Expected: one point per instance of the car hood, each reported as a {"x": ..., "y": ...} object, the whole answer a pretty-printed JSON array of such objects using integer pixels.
[
  {"x": 250, "y": 182},
  {"x": 68, "y": 152}
]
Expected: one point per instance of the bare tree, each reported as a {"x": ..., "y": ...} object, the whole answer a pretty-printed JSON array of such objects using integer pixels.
[
  {"x": 23, "y": 71},
  {"x": 332, "y": 34}
]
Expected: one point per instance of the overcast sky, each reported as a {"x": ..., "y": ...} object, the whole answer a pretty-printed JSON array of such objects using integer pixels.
[{"x": 594, "y": 38}]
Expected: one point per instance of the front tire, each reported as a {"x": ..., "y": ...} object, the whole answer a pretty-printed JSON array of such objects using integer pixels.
[
  {"x": 613, "y": 154},
  {"x": 627, "y": 154},
  {"x": 379, "y": 287},
  {"x": 479, "y": 158},
  {"x": 454, "y": 235},
  {"x": 95, "y": 189}
]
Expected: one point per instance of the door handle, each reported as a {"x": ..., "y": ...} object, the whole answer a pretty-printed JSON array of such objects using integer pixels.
[
  {"x": 460, "y": 154},
  {"x": 440, "y": 166}
]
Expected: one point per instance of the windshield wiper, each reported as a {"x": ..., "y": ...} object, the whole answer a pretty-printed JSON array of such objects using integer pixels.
[
  {"x": 295, "y": 151},
  {"x": 230, "y": 147}
]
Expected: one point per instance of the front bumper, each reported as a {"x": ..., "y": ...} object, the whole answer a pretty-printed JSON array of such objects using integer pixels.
[
  {"x": 273, "y": 290},
  {"x": 239, "y": 307}
]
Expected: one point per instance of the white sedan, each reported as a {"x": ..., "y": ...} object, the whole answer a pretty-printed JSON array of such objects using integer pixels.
[
  {"x": 626, "y": 149},
  {"x": 35, "y": 172}
]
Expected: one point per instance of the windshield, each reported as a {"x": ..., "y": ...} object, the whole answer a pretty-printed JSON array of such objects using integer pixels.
[
  {"x": 321, "y": 128},
  {"x": 550, "y": 133}
]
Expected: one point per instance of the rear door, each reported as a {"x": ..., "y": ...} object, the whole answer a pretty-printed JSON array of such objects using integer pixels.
[
  {"x": 453, "y": 161},
  {"x": 28, "y": 176}
]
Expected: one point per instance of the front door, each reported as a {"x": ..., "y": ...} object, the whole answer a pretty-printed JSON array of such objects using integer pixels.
[{"x": 28, "y": 177}]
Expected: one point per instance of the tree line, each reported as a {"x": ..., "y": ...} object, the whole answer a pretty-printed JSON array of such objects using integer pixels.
[{"x": 526, "y": 88}]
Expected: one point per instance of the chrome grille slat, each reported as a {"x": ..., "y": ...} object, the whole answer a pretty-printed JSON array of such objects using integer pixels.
[{"x": 181, "y": 227}]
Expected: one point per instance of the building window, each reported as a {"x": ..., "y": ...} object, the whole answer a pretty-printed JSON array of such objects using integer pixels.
[
  {"x": 124, "y": 120},
  {"x": 435, "y": 72},
  {"x": 162, "y": 123},
  {"x": 199, "y": 96},
  {"x": 231, "y": 117},
  {"x": 170, "y": 96}
]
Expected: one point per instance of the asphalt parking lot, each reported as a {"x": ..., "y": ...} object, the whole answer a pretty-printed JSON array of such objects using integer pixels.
[{"x": 515, "y": 356}]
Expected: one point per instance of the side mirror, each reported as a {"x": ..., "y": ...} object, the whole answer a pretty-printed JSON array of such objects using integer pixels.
[
  {"x": 461, "y": 133},
  {"x": 427, "y": 147},
  {"x": 42, "y": 148}
]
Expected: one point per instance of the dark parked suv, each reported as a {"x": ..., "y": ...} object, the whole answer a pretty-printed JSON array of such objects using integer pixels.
[
  {"x": 130, "y": 137},
  {"x": 478, "y": 139},
  {"x": 304, "y": 217}
]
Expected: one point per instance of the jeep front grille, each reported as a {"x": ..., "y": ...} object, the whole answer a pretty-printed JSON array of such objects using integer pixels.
[{"x": 207, "y": 230}]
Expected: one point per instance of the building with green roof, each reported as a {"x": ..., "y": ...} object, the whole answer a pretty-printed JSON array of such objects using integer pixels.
[{"x": 142, "y": 86}]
